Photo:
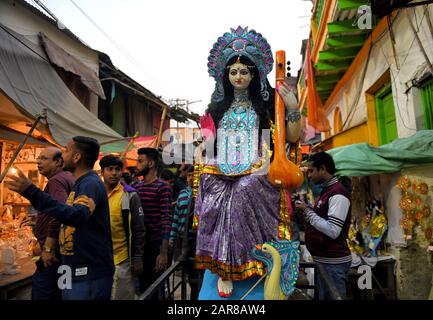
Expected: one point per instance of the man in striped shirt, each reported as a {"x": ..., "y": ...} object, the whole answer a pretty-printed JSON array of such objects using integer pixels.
[
  {"x": 328, "y": 223},
  {"x": 181, "y": 214},
  {"x": 156, "y": 198}
]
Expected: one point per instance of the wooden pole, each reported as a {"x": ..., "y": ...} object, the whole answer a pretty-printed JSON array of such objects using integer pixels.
[
  {"x": 43, "y": 115},
  {"x": 164, "y": 113},
  {"x": 252, "y": 288},
  {"x": 114, "y": 140},
  {"x": 123, "y": 155}
]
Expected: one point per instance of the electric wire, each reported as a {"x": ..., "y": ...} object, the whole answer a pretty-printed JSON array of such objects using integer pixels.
[
  {"x": 140, "y": 67},
  {"x": 353, "y": 107},
  {"x": 393, "y": 77},
  {"x": 24, "y": 44}
]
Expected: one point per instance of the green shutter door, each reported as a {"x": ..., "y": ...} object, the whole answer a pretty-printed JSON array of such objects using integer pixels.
[
  {"x": 385, "y": 113},
  {"x": 427, "y": 101},
  {"x": 389, "y": 112}
]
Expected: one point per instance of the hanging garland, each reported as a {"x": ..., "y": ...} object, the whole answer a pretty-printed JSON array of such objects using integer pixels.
[
  {"x": 428, "y": 233},
  {"x": 415, "y": 207}
]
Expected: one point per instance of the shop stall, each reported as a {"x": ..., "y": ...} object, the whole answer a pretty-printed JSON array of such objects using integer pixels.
[
  {"x": 16, "y": 215},
  {"x": 391, "y": 231}
]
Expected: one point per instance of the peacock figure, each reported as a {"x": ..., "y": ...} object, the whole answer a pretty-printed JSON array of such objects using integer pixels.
[{"x": 281, "y": 259}]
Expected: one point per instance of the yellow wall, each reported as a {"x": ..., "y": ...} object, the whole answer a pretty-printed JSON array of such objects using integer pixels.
[
  {"x": 356, "y": 134},
  {"x": 372, "y": 131}
]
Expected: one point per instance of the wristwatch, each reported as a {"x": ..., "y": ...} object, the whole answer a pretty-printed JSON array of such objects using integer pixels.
[{"x": 47, "y": 249}]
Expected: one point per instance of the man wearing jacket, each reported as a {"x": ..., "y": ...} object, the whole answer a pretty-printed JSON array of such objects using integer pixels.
[
  {"x": 127, "y": 229},
  {"x": 328, "y": 223},
  {"x": 85, "y": 241}
]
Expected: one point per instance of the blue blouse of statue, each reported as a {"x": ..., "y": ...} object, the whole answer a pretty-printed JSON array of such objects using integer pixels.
[{"x": 238, "y": 132}]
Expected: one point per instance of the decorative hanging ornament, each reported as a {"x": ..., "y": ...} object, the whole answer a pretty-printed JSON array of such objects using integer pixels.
[
  {"x": 417, "y": 202},
  {"x": 406, "y": 225},
  {"x": 426, "y": 210},
  {"x": 412, "y": 215},
  {"x": 414, "y": 186},
  {"x": 414, "y": 206},
  {"x": 428, "y": 233},
  {"x": 403, "y": 183},
  {"x": 419, "y": 215},
  {"x": 423, "y": 188},
  {"x": 405, "y": 203}
]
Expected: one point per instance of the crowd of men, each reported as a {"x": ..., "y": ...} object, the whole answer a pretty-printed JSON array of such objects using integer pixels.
[{"x": 115, "y": 232}]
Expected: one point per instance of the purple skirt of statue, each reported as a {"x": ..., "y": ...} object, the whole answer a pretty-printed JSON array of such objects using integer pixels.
[{"x": 234, "y": 215}]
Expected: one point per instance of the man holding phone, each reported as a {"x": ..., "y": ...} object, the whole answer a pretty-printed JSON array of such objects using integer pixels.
[{"x": 328, "y": 223}]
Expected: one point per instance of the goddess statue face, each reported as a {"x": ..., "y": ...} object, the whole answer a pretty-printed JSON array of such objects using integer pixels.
[{"x": 240, "y": 76}]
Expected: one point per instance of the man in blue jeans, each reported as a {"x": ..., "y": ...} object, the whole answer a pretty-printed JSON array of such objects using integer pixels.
[
  {"x": 327, "y": 228},
  {"x": 85, "y": 241}
]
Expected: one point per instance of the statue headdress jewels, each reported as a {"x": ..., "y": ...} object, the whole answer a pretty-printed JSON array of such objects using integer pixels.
[{"x": 240, "y": 42}]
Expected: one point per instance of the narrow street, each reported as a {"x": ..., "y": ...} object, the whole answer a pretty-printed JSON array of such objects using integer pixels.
[{"x": 216, "y": 151}]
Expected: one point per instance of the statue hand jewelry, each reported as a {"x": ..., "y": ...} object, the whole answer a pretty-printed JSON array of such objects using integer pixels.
[
  {"x": 292, "y": 112},
  {"x": 293, "y": 115}
]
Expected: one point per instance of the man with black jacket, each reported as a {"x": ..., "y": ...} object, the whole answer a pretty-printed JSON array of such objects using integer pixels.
[{"x": 127, "y": 229}]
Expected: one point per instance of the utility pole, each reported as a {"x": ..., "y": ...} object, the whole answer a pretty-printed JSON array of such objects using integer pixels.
[{"x": 182, "y": 104}]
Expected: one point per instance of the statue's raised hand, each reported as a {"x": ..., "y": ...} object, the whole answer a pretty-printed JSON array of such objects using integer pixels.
[{"x": 287, "y": 94}]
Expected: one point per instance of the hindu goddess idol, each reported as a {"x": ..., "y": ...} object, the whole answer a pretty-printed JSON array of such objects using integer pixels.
[{"x": 236, "y": 206}]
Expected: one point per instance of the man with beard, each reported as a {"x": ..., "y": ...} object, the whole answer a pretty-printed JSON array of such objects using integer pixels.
[
  {"x": 156, "y": 197},
  {"x": 59, "y": 185},
  {"x": 85, "y": 240}
]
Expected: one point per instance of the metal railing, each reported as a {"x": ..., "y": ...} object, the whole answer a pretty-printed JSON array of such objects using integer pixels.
[
  {"x": 328, "y": 282},
  {"x": 167, "y": 284},
  {"x": 307, "y": 265},
  {"x": 162, "y": 285}
]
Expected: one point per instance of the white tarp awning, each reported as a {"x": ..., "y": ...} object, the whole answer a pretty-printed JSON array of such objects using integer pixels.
[{"x": 30, "y": 84}]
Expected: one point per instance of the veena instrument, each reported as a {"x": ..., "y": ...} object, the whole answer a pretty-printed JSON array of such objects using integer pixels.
[{"x": 282, "y": 171}]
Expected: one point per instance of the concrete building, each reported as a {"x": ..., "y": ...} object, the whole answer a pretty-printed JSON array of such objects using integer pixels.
[{"x": 372, "y": 75}]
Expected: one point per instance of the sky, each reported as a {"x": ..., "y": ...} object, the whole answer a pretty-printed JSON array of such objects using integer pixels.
[{"x": 164, "y": 44}]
